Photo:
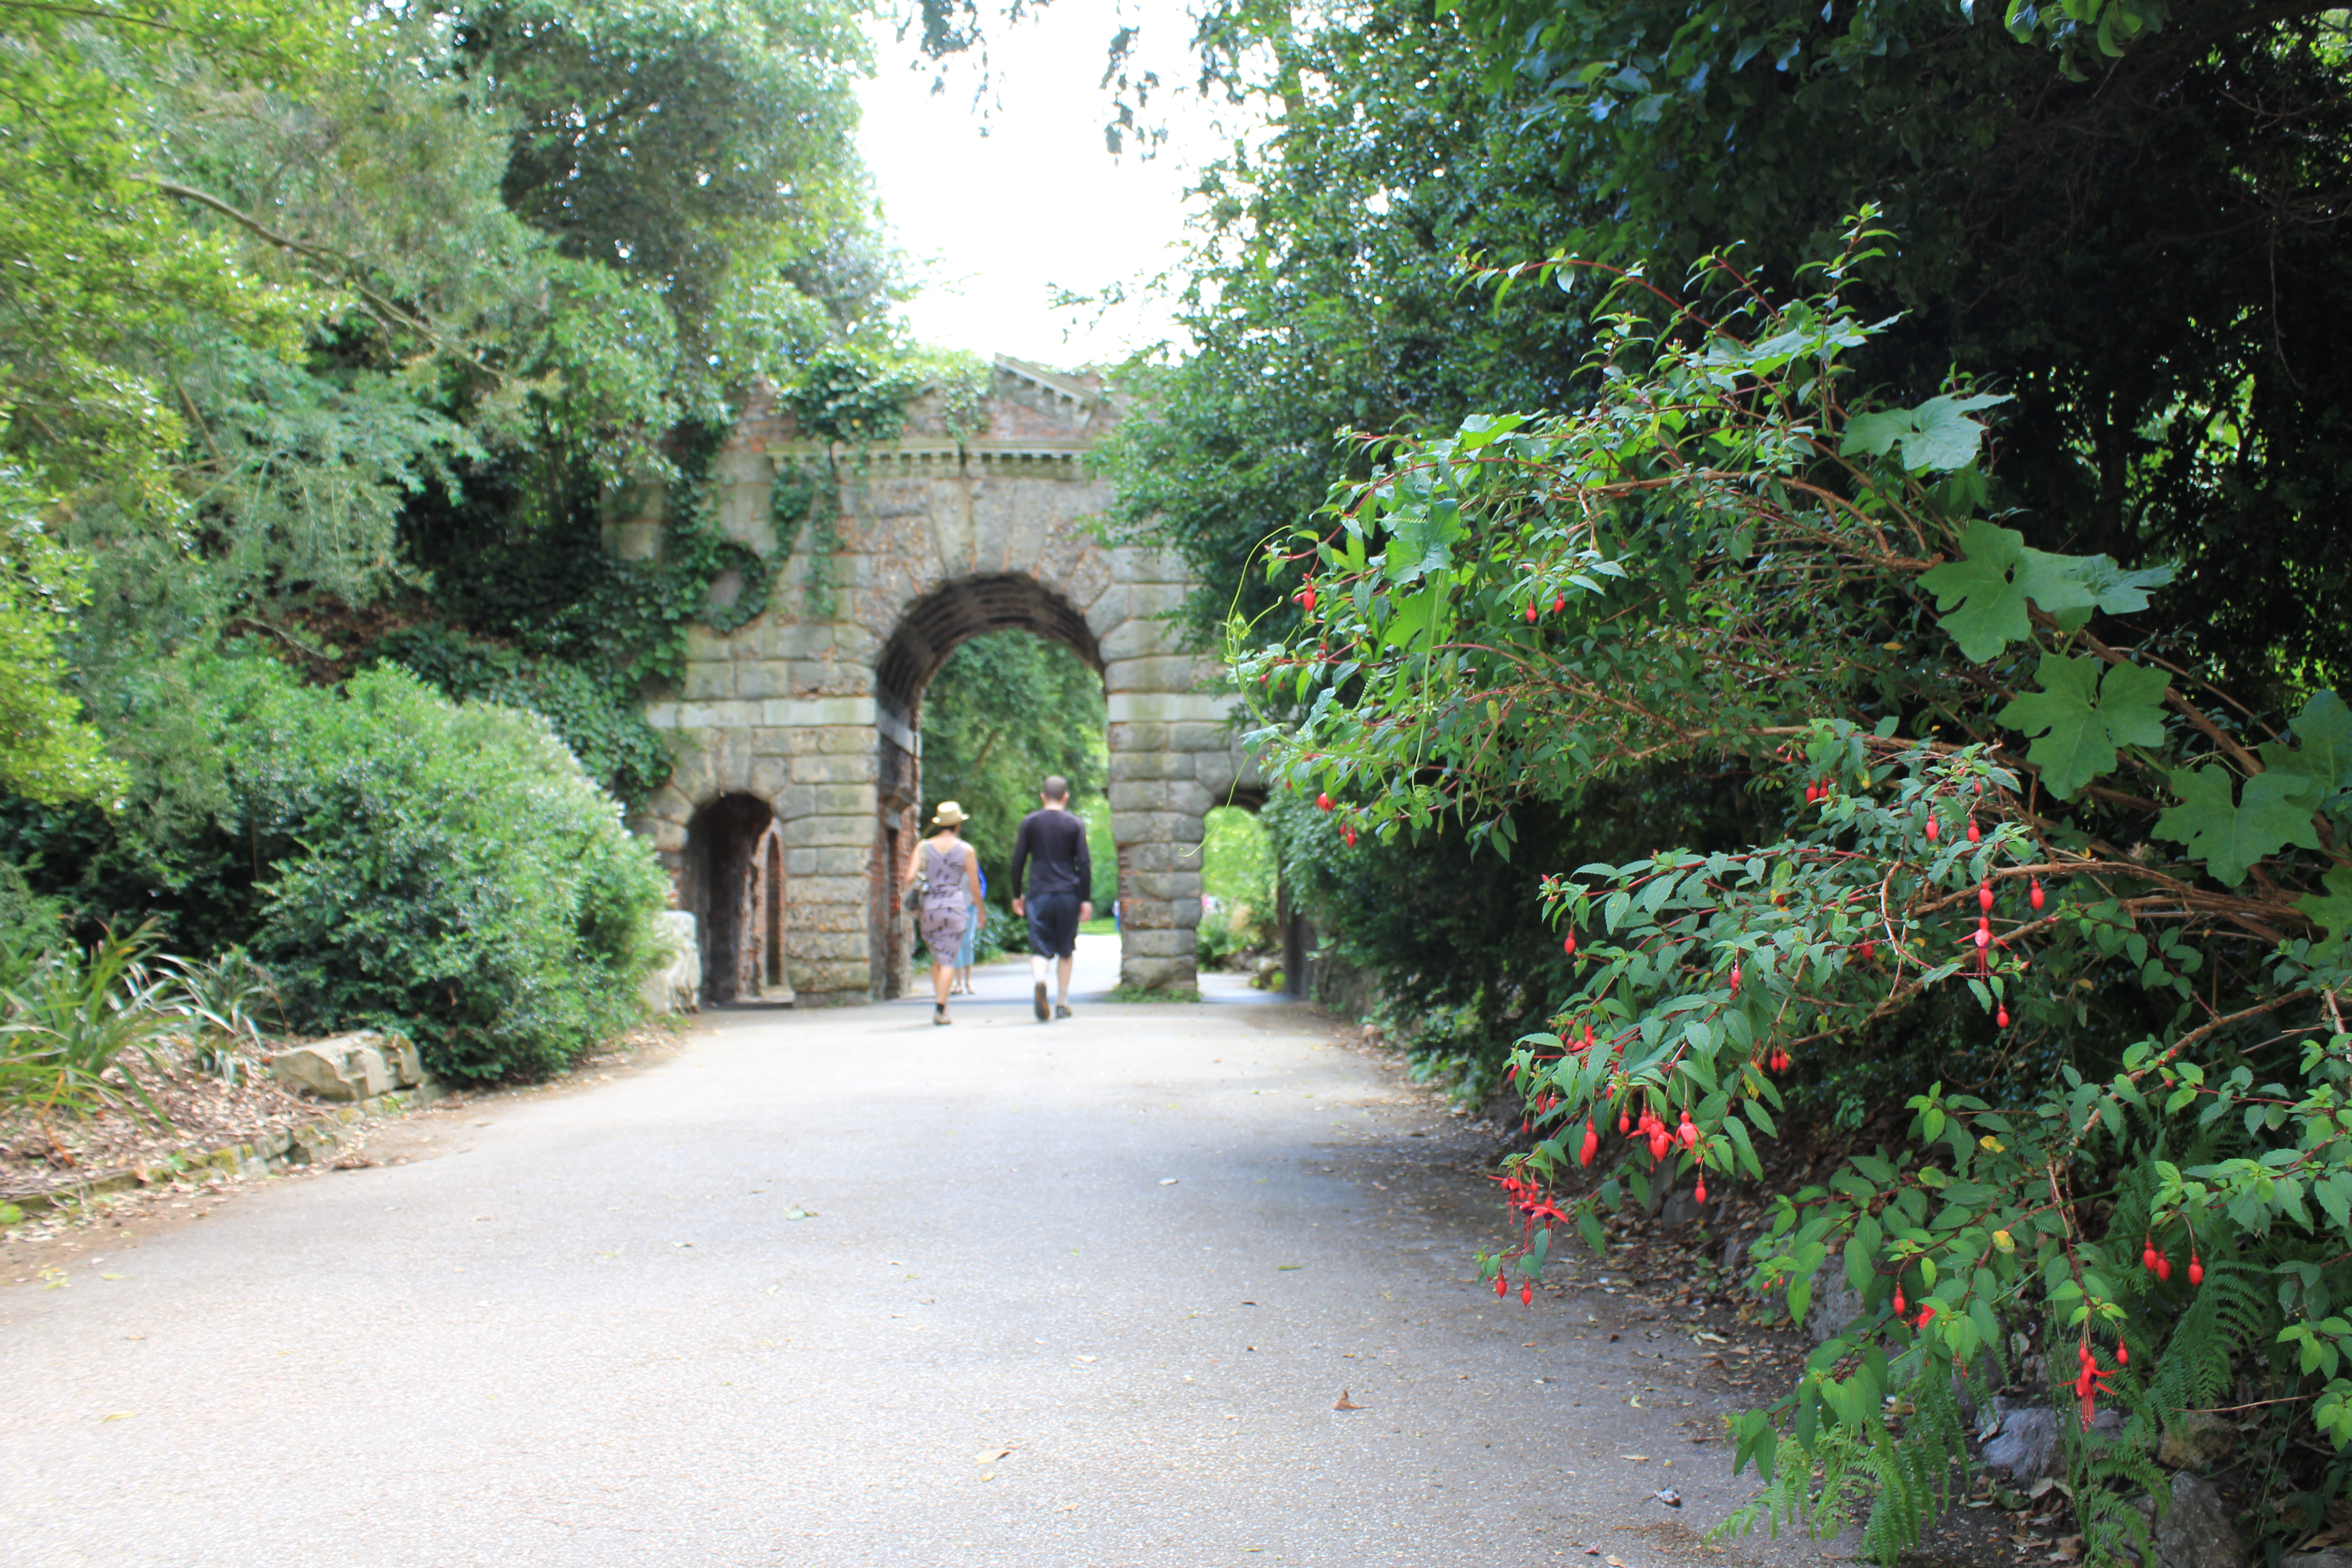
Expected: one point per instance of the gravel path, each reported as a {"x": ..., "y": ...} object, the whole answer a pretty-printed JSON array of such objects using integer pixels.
[{"x": 1076, "y": 1294}]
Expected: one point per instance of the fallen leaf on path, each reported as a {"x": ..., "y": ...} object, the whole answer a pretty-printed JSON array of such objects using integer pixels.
[
  {"x": 1345, "y": 1403},
  {"x": 1614, "y": 1562},
  {"x": 2067, "y": 1548},
  {"x": 1668, "y": 1495},
  {"x": 1165, "y": 1181},
  {"x": 118, "y": 1415},
  {"x": 799, "y": 1214},
  {"x": 1636, "y": 1403},
  {"x": 989, "y": 1456},
  {"x": 1090, "y": 1358},
  {"x": 1635, "y": 1459}
]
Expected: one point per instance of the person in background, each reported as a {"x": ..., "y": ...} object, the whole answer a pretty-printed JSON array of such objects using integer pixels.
[
  {"x": 971, "y": 936},
  {"x": 950, "y": 874},
  {"x": 1052, "y": 847}
]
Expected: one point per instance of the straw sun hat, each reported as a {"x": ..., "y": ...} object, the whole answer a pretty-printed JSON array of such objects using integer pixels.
[{"x": 950, "y": 815}]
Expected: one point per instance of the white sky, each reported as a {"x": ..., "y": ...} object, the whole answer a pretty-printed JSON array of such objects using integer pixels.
[{"x": 996, "y": 209}]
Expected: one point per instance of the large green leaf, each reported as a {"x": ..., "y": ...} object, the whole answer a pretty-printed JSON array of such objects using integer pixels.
[
  {"x": 1937, "y": 437},
  {"x": 2082, "y": 717},
  {"x": 1990, "y": 608},
  {"x": 2229, "y": 837},
  {"x": 2331, "y": 911},
  {"x": 2322, "y": 755}
]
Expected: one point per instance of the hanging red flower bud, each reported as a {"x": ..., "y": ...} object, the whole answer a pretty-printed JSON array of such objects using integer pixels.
[
  {"x": 1324, "y": 803},
  {"x": 1569, "y": 947},
  {"x": 2123, "y": 1354},
  {"x": 2034, "y": 898},
  {"x": 1931, "y": 830},
  {"x": 1734, "y": 977},
  {"x": 1502, "y": 1285},
  {"x": 2147, "y": 1256},
  {"x": 1560, "y": 604},
  {"x": 1592, "y": 1144},
  {"x": 2196, "y": 1270},
  {"x": 1869, "y": 949},
  {"x": 1700, "y": 1195},
  {"x": 1973, "y": 834},
  {"x": 1527, "y": 1293},
  {"x": 1984, "y": 897},
  {"x": 1900, "y": 1307},
  {"x": 1624, "y": 1124},
  {"x": 1531, "y": 612},
  {"x": 1306, "y": 599},
  {"x": 2001, "y": 1019},
  {"x": 1927, "y": 1316},
  {"x": 1349, "y": 835},
  {"x": 2163, "y": 1267}
]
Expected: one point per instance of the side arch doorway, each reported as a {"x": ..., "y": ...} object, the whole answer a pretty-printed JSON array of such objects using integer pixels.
[{"x": 733, "y": 884}]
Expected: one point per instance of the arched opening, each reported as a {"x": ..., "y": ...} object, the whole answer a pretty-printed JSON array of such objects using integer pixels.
[
  {"x": 734, "y": 885},
  {"x": 1025, "y": 700}
]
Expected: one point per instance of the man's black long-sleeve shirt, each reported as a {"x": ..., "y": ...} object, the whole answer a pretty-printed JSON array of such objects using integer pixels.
[{"x": 1055, "y": 841}]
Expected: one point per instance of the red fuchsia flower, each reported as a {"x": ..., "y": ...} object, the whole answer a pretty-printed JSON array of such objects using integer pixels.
[
  {"x": 1306, "y": 598},
  {"x": 1900, "y": 1308},
  {"x": 1349, "y": 835},
  {"x": 1984, "y": 897},
  {"x": 1527, "y": 1293},
  {"x": 1973, "y": 834},
  {"x": 2163, "y": 1267},
  {"x": 1931, "y": 829},
  {"x": 2196, "y": 1270},
  {"x": 1927, "y": 1316},
  {"x": 2034, "y": 898},
  {"x": 1559, "y": 605},
  {"x": 1569, "y": 947},
  {"x": 1324, "y": 803},
  {"x": 1700, "y": 1195},
  {"x": 1592, "y": 1144},
  {"x": 2090, "y": 1383},
  {"x": 1687, "y": 1134},
  {"x": 2001, "y": 1019},
  {"x": 1502, "y": 1284},
  {"x": 1734, "y": 977}
]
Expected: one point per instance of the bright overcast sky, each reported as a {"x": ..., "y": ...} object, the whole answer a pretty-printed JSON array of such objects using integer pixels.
[{"x": 997, "y": 210}]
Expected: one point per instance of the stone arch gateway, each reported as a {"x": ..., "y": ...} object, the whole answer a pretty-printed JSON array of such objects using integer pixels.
[{"x": 814, "y": 709}]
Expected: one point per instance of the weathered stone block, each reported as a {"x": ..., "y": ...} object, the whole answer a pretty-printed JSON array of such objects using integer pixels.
[
  {"x": 676, "y": 987},
  {"x": 1142, "y": 767},
  {"x": 856, "y": 767},
  {"x": 763, "y": 678},
  {"x": 845, "y": 798},
  {"x": 1168, "y": 672},
  {"x": 345, "y": 1067},
  {"x": 837, "y": 861}
]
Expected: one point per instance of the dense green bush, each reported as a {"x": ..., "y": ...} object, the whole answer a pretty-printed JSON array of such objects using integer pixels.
[{"x": 448, "y": 871}]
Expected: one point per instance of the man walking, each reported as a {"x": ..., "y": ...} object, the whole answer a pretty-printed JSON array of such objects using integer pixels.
[{"x": 1052, "y": 845}]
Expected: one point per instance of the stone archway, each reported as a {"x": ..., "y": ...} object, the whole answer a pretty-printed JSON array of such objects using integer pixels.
[{"x": 813, "y": 706}]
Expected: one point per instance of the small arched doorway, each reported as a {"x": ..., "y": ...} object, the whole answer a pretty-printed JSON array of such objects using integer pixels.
[{"x": 734, "y": 885}]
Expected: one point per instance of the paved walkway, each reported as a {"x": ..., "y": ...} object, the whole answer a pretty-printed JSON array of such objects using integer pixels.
[{"x": 1077, "y": 1294}]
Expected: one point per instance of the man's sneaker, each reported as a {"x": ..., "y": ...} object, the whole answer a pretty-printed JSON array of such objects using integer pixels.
[
  {"x": 1061, "y": 1009},
  {"x": 1042, "y": 1015}
]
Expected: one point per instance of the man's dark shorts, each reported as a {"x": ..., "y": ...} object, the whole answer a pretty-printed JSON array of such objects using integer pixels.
[{"x": 1053, "y": 924}]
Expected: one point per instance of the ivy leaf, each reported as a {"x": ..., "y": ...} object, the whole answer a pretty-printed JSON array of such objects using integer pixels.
[
  {"x": 2229, "y": 837},
  {"x": 2082, "y": 717},
  {"x": 1991, "y": 612},
  {"x": 2331, "y": 911},
  {"x": 1938, "y": 435}
]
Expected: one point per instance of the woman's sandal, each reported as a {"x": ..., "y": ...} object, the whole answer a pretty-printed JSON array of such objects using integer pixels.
[{"x": 940, "y": 1013}]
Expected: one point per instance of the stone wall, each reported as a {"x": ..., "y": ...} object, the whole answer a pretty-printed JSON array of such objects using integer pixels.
[{"x": 818, "y": 716}]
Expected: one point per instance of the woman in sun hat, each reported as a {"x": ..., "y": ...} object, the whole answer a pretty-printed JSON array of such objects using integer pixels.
[{"x": 951, "y": 880}]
